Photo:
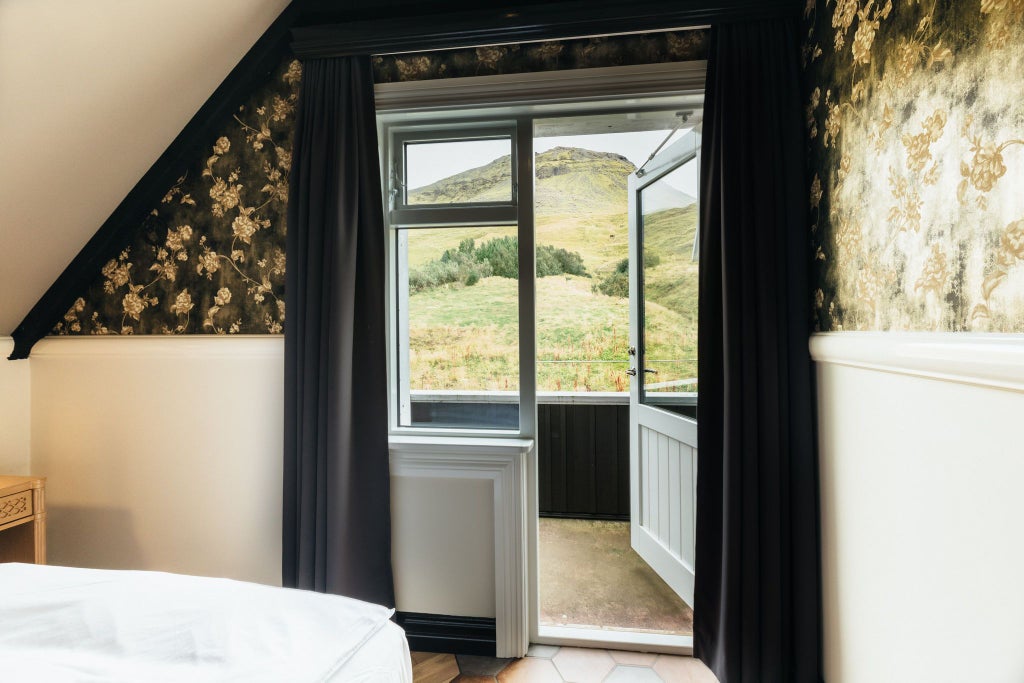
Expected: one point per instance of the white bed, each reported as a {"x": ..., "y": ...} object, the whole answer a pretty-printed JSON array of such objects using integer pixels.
[{"x": 67, "y": 624}]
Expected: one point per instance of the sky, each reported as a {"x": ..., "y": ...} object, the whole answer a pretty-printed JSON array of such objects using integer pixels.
[{"x": 428, "y": 163}]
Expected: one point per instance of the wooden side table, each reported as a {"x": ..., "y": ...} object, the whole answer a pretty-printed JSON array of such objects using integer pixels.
[{"x": 22, "y": 520}]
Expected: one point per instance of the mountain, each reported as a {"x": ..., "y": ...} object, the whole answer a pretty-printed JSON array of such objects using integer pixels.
[
  {"x": 569, "y": 180},
  {"x": 489, "y": 183},
  {"x": 572, "y": 179}
]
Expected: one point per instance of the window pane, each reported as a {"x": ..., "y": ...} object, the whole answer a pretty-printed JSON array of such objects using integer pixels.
[
  {"x": 669, "y": 288},
  {"x": 458, "y": 172},
  {"x": 459, "y": 327},
  {"x": 582, "y": 168}
]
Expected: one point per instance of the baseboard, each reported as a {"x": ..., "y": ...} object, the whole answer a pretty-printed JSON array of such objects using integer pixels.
[{"x": 452, "y": 635}]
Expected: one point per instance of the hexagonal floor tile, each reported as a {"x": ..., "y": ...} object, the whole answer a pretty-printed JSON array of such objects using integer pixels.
[
  {"x": 581, "y": 665},
  {"x": 633, "y": 658},
  {"x": 632, "y": 674},
  {"x": 544, "y": 651}
]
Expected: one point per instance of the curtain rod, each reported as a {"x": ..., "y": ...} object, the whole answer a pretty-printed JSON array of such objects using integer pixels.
[{"x": 554, "y": 21}]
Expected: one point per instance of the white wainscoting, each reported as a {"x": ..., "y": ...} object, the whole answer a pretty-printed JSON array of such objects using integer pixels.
[
  {"x": 162, "y": 452},
  {"x": 922, "y": 498},
  {"x": 502, "y": 463},
  {"x": 15, "y": 399}
]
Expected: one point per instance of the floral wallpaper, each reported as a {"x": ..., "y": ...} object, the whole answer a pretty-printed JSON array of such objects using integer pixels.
[
  {"x": 915, "y": 126},
  {"x": 642, "y": 48},
  {"x": 209, "y": 258}
]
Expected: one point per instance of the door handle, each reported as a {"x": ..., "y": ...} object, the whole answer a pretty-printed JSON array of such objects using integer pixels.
[{"x": 631, "y": 372}]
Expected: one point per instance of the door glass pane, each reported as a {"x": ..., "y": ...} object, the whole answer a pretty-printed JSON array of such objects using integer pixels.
[
  {"x": 458, "y": 320},
  {"x": 458, "y": 171},
  {"x": 668, "y": 277},
  {"x": 582, "y": 167}
]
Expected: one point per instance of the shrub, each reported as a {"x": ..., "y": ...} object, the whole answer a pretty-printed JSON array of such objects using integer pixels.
[
  {"x": 554, "y": 261},
  {"x": 615, "y": 283},
  {"x": 467, "y": 263},
  {"x": 502, "y": 253},
  {"x": 454, "y": 266}
]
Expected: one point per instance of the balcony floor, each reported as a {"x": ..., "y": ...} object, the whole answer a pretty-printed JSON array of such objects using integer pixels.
[{"x": 591, "y": 578}]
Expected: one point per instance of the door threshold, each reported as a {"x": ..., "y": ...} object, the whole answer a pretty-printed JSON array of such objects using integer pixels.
[{"x": 608, "y": 639}]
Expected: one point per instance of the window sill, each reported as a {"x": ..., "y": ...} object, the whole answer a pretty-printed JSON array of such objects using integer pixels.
[{"x": 459, "y": 444}]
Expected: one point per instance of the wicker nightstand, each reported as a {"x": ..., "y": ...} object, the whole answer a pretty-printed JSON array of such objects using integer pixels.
[{"x": 22, "y": 520}]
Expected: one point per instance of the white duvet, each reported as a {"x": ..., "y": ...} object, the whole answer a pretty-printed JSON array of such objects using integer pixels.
[{"x": 69, "y": 624}]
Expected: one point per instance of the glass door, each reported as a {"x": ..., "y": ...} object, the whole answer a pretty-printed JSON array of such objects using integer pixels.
[{"x": 663, "y": 274}]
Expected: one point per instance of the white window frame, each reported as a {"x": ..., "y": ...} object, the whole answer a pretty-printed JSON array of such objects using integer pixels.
[
  {"x": 403, "y": 215},
  {"x": 518, "y": 211}
]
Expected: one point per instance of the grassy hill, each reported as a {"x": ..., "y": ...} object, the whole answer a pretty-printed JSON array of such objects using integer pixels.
[
  {"x": 569, "y": 179},
  {"x": 466, "y": 337},
  {"x": 580, "y": 204}
]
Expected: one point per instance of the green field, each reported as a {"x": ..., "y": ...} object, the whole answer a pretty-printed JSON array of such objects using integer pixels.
[{"x": 466, "y": 337}]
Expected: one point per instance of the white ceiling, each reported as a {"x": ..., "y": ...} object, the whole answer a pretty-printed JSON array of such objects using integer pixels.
[{"x": 91, "y": 93}]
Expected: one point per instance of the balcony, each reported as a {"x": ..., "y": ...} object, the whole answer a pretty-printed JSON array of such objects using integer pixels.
[{"x": 589, "y": 575}]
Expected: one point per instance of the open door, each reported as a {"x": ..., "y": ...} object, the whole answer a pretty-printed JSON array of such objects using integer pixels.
[{"x": 663, "y": 219}]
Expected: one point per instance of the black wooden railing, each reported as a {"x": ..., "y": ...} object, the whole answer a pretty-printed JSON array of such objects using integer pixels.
[
  {"x": 582, "y": 450},
  {"x": 583, "y": 460}
]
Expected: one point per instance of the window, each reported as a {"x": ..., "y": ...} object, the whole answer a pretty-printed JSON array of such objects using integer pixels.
[
  {"x": 454, "y": 225},
  {"x": 472, "y": 343}
]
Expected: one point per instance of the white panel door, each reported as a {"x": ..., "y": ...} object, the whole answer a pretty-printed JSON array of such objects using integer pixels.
[{"x": 663, "y": 389}]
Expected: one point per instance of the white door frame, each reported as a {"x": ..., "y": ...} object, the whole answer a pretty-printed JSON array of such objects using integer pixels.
[{"x": 522, "y": 98}]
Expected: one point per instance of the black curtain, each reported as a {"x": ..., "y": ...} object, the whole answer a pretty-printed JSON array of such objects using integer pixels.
[
  {"x": 337, "y": 525},
  {"x": 758, "y": 598}
]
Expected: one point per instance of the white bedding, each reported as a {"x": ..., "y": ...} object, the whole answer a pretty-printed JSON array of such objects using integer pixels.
[{"x": 68, "y": 624}]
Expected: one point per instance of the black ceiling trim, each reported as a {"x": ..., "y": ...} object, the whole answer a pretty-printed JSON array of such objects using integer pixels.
[
  {"x": 190, "y": 144},
  {"x": 510, "y": 24}
]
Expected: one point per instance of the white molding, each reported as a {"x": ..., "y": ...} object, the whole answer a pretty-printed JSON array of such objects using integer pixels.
[
  {"x": 679, "y": 427},
  {"x": 573, "y": 85},
  {"x": 503, "y": 462},
  {"x": 639, "y": 641},
  {"x": 199, "y": 346},
  {"x": 990, "y": 360},
  {"x": 602, "y": 398}
]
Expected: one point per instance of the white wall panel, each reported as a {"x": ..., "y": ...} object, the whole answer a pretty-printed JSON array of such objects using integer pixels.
[
  {"x": 922, "y": 471},
  {"x": 162, "y": 453},
  {"x": 15, "y": 397},
  {"x": 443, "y": 554}
]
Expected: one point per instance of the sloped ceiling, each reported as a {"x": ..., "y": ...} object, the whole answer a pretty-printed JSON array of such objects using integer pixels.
[{"x": 91, "y": 93}]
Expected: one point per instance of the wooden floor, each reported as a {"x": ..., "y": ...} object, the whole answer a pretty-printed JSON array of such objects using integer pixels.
[{"x": 547, "y": 664}]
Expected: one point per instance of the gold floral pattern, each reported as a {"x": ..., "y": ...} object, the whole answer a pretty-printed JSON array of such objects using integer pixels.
[
  {"x": 644, "y": 48},
  {"x": 210, "y": 257},
  {"x": 915, "y": 131}
]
